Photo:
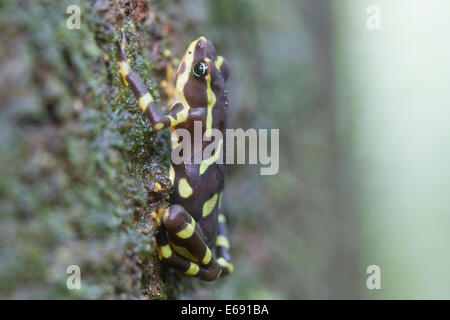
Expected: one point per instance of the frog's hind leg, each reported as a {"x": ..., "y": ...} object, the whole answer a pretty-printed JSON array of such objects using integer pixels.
[
  {"x": 222, "y": 247},
  {"x": 192, "y": 254},
  {"x": 166, "y": 254}
]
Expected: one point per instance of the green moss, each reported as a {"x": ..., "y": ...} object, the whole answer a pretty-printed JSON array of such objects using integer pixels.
[{"x": 77, "y": 159}]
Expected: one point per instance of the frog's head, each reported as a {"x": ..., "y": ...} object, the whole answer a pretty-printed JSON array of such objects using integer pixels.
[{"x": 200, "y": 73}]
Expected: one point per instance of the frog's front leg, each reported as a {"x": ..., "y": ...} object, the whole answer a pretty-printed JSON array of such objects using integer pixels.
[
  {"x": 192, "y": 255},
  {"x": 176, "y": 115}
]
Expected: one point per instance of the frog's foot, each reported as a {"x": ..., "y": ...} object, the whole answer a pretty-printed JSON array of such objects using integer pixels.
[
  {"x": 192, "y": 255},
  {"x": 222, "y": 247}
]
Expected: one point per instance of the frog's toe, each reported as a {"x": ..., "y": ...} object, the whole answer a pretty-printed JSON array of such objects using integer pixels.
[
  {"x": 210, "y": 274},
  {"x": 227, "y": 266}
]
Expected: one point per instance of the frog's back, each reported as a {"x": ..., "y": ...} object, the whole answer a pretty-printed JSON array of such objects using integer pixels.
[
  {"x": 199, "y": 186},
  {"x": 191, "y": 235}
]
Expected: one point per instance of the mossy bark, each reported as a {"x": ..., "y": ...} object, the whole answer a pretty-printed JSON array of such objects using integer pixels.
[{"x": 78, "y": 161}]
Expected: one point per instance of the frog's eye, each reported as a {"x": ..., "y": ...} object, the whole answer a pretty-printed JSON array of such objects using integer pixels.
[{"x": 200, "y": 70}]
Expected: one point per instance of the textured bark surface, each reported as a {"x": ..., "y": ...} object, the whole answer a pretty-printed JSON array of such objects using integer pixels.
[{"x": 78, "y": 161}]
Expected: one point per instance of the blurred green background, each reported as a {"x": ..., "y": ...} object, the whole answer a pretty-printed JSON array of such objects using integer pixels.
[
  {"x": 364, "y": 123},
  {"x": 364, "y": 156}
]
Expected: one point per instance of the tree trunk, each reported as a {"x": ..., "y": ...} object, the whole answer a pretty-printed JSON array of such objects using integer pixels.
[{"x": 78, "y": 161}]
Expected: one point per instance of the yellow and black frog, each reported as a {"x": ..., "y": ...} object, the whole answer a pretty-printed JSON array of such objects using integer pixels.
[{"x": 192, "y": 233}]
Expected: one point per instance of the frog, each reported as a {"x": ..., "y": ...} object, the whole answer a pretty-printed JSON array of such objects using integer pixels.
[{"x": 191, "y": 234}]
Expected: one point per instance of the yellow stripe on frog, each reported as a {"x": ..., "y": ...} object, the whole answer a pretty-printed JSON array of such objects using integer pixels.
[
  {"x": 193, "y": 269},
  {"x": 207, "y": 162}
]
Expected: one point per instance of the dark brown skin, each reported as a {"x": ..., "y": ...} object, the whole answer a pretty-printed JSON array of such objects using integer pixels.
[{"x": 194, "y": 223}]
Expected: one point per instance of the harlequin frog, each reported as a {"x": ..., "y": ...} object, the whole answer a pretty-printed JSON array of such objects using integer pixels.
[{"x": 192, "y": 233}]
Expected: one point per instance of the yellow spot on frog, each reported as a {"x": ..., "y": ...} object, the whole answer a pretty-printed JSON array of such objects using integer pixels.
[
  {"x": 187, "y": 232},
  {"x": 219, "y": 62},
  {"x": 159, "y": 126},
  {"x": 208, "y": 206},
  {"x": 225, "y": 264},
  {"x": 165, "y": 251},
  {"x": 184, "y": 189},
  {"x": 144, "y": 101},
  {"x": 222, "y": 241},
  {"x": 124, "y": 70},
  {"x": 193, "y": 269},
  {"x": 222, "y": 217},
  {"x": 172, "y": 174},
  {"x": 207, "y": 257},
  {"x": 158, "y": 186}
]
